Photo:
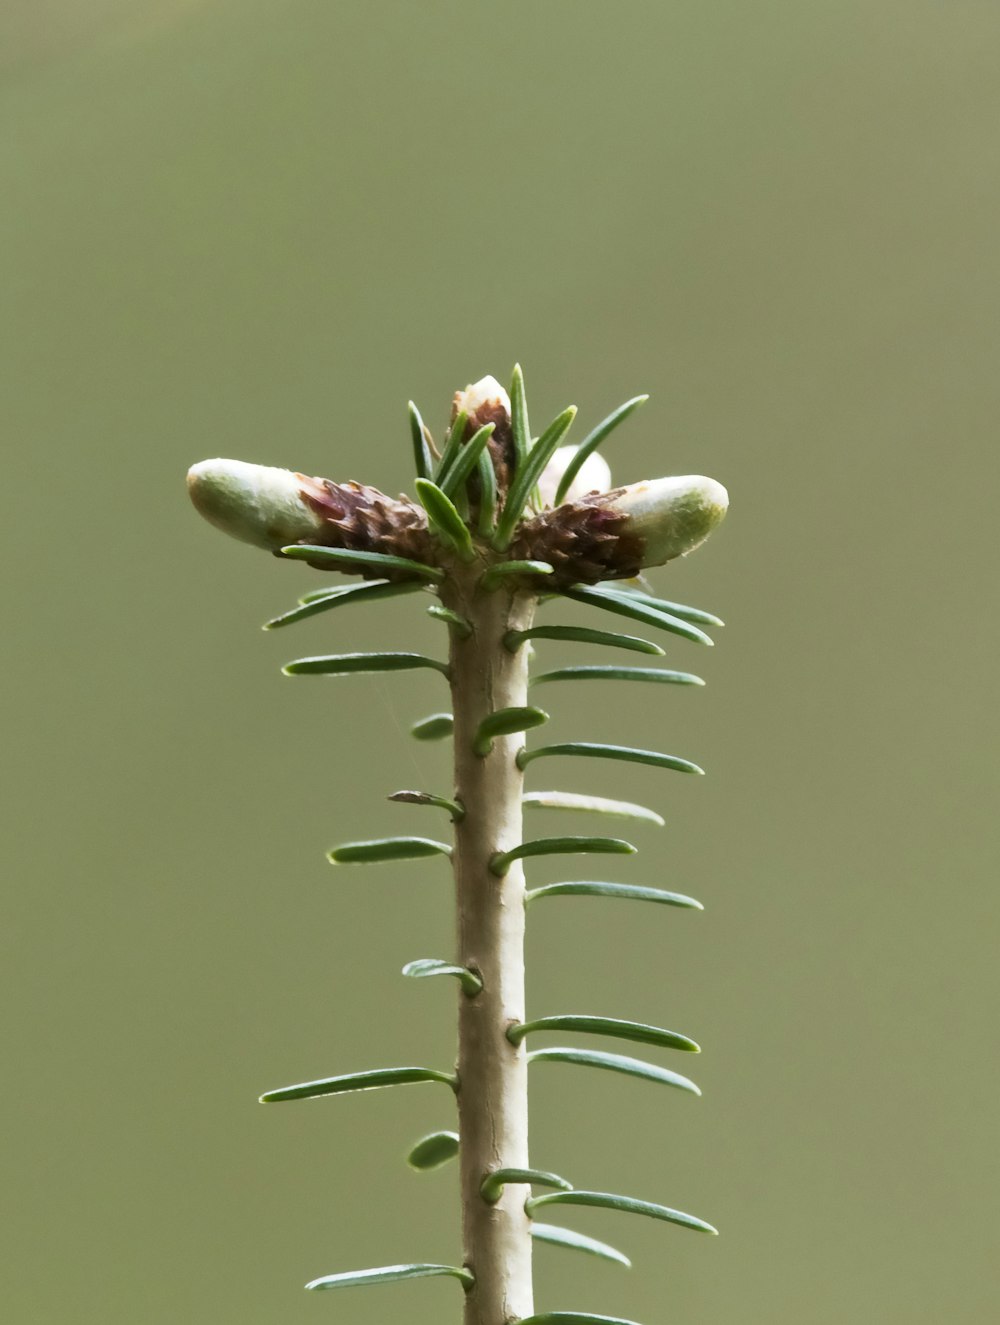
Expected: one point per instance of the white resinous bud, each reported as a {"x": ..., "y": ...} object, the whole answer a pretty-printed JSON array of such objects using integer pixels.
[
  {"x": 594, "y": 476},
  {"x": 257, "y": 504},
  {"x": 672, "y": 516},
  {"x": 477, "y": 399}
]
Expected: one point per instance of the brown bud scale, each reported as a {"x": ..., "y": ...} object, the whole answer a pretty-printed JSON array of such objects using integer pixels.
[
  {"x": 362, "y": 519},
  {"x": 500, "y": 446},
  {"x": 583, "y": 541}
]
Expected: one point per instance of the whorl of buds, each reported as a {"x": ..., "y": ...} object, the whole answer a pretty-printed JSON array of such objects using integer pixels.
[{"x": 596, "y": 533}]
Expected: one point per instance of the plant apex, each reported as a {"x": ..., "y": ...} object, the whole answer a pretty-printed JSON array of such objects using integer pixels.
[{"x": 481, "y": 401}]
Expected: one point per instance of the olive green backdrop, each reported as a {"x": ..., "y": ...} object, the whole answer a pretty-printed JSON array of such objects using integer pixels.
[{"x": 232, "y": 227}]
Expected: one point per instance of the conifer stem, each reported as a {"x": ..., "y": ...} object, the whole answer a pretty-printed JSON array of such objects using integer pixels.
[{"x": 492, "y": 1072}]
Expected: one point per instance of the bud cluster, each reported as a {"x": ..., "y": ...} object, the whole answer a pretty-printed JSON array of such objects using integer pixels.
[{"x": 597, "y": 532}]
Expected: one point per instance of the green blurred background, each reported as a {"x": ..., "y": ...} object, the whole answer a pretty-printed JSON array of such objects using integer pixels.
[{"x": 232, "y": 227}]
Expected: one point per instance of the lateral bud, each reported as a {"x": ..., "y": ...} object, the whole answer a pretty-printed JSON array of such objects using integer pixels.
[
  {"x": 614, "y": 535},
  {"x": 594, "y": 475},
  {"x": 272, "y": 508}
]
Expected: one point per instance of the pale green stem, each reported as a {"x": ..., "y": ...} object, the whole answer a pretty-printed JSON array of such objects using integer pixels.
[{"x": 492, "y": 1072}]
